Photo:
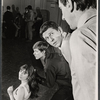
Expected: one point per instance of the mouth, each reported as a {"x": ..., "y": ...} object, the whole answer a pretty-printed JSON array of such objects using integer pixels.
[{"x": 55, "y": 43}]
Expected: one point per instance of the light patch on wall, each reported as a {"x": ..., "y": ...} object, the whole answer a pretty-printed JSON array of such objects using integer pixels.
[
  {"x": 52, "y": 5},
  {"x": 2, "y": 2}
]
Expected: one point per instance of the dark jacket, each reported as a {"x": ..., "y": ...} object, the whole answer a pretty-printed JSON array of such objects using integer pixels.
[{"x": 57, "y": 70}]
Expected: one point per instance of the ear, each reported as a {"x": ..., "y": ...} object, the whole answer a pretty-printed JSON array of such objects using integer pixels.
[
  {"x": 60, "y": 29},
  {"x": 70, "y": 5}
]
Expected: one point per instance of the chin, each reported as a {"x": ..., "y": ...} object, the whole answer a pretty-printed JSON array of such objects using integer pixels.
[
  {"x": 37, "y": 58},
  {"x": 73, "y": 27}
]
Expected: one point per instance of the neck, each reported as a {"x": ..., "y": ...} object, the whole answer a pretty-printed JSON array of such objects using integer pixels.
[
  {"x": 43, "y": 57},
  {"x": 78, "y": 15},
  {"x": 23, "y": 82}
]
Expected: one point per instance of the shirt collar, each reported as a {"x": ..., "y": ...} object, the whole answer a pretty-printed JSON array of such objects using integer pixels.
[
  {"x": 65, "y": 36},
  {"x": 86, "y": 16}
]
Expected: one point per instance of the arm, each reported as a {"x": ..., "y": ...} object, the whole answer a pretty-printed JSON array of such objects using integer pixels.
[
  {"x": 50, "y": 78},
  {"x": 10, "y": 93},
  {"x": 20, "y": 93}
]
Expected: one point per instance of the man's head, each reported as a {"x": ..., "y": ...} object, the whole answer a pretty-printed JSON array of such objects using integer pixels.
[
  {"x": 8, "y": 7},
  {"x": 51, "y": 33},
  {"x": 29, "y": 7},
  {"x": 71, "y": 8}
]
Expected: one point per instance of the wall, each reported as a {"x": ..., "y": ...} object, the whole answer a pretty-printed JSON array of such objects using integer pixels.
[
  {"x": 10, "y": 3},
  {"x": 18, "y": 3},
  {"x": 53, "y": 9}
]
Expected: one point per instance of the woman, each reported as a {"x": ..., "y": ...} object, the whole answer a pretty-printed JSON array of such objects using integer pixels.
[
  {"x": 28, "y": 87},
  {"x": 56, "y": 70}
]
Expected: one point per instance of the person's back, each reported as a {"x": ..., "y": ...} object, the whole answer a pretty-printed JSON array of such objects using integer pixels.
[
  {"x": 8, "y": 20},
  {"x": 8, "y": 17},
  {"x": 84, "y": 40}
]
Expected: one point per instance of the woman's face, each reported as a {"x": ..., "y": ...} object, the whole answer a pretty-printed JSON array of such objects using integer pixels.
[
  {"x": 38, "y": 54},
  {"x": 23, "y": 74}
]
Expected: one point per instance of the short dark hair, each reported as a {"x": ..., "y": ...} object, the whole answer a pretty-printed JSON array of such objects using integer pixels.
[
  {"x": 46, "y": 25},
  {"x": 8, "y": 7},
  {"x": 29, "y": 7},
  {"x": 81, "y": 4}
]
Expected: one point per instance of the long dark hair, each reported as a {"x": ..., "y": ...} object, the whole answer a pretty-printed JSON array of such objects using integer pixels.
[{"x": 33, "y": 84}]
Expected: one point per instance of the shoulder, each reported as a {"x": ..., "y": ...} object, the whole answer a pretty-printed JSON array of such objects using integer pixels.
[{"x": 21, "y": 89}]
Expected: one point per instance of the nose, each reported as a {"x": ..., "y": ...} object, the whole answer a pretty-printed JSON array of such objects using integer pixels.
[
  {"x": 34, "y": 53},
  {"x": 51, "y": 39}
]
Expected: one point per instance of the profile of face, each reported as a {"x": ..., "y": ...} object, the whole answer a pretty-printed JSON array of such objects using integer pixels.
[
  {"x": 67, "y": 14},
  {"x": 53, "y": 37},
  {"x": 23, "y": 74},
  {"x": 38, "y": 54}
]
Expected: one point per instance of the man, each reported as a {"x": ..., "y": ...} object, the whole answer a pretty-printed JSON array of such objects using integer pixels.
[
  {"x": 80, "y": 15},
  {"x": 56, "y": 70},
  {"x": 30, "y": 19},
  {"x": 8, "y": 23}
]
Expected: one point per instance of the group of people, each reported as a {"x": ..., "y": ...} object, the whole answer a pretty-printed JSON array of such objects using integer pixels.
[
  {"x": 68, "y": 59},
  {"x": 33, "y": 21},
  {"x": 24, "y": 25}
]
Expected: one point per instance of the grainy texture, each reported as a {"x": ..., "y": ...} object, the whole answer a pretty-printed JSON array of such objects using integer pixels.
[{"x": 15, "y": 53}]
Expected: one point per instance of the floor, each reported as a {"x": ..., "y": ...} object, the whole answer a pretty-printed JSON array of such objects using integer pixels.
[{"x": 16, "y": 52}]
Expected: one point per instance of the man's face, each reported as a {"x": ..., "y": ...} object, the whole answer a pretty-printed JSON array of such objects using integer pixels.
[
  {"x": 53, "y": 37},
  {"x": 67, "y": 14}
]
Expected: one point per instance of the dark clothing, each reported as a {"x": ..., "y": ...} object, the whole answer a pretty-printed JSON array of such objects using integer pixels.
[
  {"x": 63, "y": 93},
  {"x": 10, "y": 28},
  {"x": 8, "y": 16},
  {"x": 58, "y": 71},
  {"x": 37, "y": 23}
]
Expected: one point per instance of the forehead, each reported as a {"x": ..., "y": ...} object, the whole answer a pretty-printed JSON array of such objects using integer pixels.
[
  {"x": 48, "y": 31},
  {"x": 61, "y": 6}
]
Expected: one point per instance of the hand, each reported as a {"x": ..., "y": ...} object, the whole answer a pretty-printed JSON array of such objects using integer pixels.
[{"x": 10, "y": 90}]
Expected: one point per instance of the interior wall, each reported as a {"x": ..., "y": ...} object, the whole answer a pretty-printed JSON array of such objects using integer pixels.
[
  {"x": 53, "y": 9},
  {"x": 10, "y": 3}
]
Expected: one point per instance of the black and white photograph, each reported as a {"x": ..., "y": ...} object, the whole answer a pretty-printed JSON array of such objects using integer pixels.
[{"x": 49, "y": 49}]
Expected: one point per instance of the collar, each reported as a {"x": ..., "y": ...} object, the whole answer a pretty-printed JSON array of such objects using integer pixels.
[
  {"x": 88, "y": 14},
  {"x": 65, "y": 37}
]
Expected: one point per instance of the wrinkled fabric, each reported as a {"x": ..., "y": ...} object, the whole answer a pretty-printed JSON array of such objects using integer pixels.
[{"x": 83, "y": 53}]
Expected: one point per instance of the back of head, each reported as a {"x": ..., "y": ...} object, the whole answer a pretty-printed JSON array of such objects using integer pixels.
[
  {"x": 29, "y": 7},
  {"x": 8, "y": 7},
  {"x": 46, "y": 25},
  {"x": 81, "y": 4}
]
